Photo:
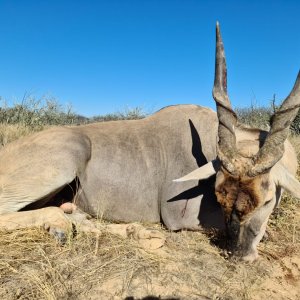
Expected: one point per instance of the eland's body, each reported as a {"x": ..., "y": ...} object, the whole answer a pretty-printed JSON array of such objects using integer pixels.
[{"x": 124, "y": 171}]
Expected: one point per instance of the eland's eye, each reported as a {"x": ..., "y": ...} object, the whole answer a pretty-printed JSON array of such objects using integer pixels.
[{"x": 267, "y": 202}]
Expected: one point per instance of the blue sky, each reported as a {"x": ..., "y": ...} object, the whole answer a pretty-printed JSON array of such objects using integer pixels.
[{"x": 104, "y": 56}]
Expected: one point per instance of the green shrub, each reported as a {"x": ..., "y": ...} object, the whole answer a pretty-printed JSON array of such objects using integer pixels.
[
  {"x": 37, "y": 113},
  {"x": 32, "y": 112},
  {"x": 128, "y": 114},
  {"x": 295, "y": 126},
  {"x": 258, "y": 117}
]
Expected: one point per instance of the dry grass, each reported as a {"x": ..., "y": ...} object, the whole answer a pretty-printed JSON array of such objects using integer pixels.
[
  {"x": 189, "y": 266},
  {"x": 9, "y": 133},
  {"x": 34, "y": 266}
]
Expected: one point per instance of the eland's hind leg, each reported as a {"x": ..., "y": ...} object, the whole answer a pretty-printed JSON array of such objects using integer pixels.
[{"x": 35, "y": 168}]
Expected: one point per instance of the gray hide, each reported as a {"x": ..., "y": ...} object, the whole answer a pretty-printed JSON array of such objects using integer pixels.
[{"x": 125, "y": 168}]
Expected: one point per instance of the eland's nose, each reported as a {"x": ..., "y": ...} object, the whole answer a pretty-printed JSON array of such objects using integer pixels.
[{"x": 234, "y": 226}]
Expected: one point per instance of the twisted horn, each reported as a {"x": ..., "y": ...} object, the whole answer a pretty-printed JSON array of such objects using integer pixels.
[
  {"x": 273, "y": 148},
  {"x": 227, "y": 150}
]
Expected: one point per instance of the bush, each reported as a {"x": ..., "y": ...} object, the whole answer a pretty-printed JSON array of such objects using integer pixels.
[
  {"x": 258, "y": 117},
  {"x": 37, "y": 113},
  {"x": 128, "y": 114},
  {"x": 295, "y": 126}
]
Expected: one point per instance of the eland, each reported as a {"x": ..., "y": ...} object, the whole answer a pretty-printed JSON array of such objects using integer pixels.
[{"x": 185, "y": 166}]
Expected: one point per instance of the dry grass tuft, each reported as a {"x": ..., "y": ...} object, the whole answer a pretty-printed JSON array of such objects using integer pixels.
[{"x": 9, "y": 133}]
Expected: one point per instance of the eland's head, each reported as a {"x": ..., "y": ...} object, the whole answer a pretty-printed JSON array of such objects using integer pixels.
[{"x": 251, "y": 165}]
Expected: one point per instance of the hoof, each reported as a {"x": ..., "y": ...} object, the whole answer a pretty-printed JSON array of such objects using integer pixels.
[
  {"x": 82, "y": 222},
  {"x": 59, "y": 235},
  {"x": 148, "y": 238}
]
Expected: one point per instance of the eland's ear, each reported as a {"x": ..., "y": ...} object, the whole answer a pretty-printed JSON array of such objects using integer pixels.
[
  {"x": 283, "y": 178},
  {"x": 204, "y": 172}
]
